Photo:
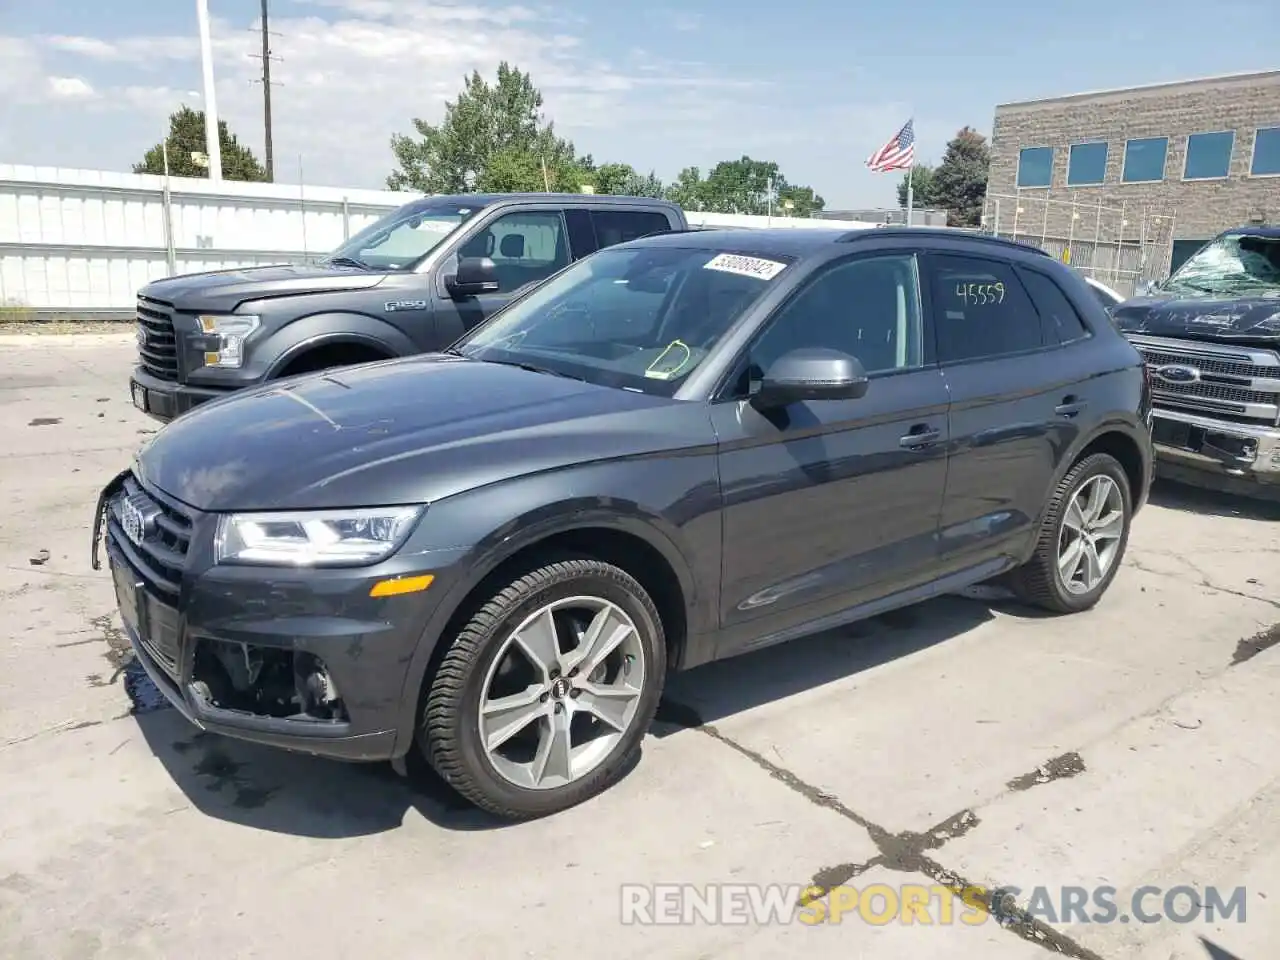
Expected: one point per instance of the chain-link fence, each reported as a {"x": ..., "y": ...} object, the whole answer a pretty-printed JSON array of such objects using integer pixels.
[{"x": 1122, "y": 246}]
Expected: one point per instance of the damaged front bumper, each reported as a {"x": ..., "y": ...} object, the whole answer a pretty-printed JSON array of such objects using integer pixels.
[
  {"x": 302, "y": 659},
  {"x": 1208, "y": 451}
]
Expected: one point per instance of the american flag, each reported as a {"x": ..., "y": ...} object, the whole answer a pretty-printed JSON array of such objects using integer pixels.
[{"x": 898, "y": 154}]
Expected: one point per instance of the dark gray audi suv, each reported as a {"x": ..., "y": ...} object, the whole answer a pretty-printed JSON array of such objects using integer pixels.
[{"x": 678, "y": 449}]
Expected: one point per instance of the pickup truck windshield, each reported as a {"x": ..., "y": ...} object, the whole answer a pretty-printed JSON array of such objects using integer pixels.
[
  {"x": 638, "y": 318},
  {"x": 1232, "y": 265},
  {"x": 404, "y": 236}
]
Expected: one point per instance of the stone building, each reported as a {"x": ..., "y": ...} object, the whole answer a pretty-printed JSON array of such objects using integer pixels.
[{"x": 1126, "y": 184}]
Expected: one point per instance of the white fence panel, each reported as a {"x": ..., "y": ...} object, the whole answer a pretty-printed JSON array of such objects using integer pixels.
[{"x": 84, "y": 241}]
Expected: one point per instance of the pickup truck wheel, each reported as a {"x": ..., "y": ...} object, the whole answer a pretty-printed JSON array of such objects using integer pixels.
[
  {"x": 1082, "y": 540},
  {"x": 542, "y": 699}
]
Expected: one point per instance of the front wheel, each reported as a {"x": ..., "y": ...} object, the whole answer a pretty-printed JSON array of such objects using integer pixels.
[
  {"x": 542, "y": 699},
  {"x": 1082, "y": 538}
]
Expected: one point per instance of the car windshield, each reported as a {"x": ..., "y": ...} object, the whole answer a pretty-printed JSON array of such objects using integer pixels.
[
  {"x": 1235, "y": 264},
  {"x": 404, "y": 236},
  {"x": 640, "y": 318}
]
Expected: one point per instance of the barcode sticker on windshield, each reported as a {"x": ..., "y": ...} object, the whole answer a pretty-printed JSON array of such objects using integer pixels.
[{"x": 745, "y": 266}]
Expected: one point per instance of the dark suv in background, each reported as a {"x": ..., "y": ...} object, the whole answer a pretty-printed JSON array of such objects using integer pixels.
[
  {"x": 414, "y": 281},
  {"x": 677, "y": 450}
]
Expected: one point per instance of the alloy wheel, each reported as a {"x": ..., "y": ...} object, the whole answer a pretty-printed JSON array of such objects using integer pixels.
[
  {"x": 561, "y": 692},
  {"x": 1092, "y": 529}
]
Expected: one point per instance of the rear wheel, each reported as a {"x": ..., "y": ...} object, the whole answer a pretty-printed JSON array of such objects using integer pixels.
[
  {"x": 1082, "y": 538},
  {"x": 543, "y": 698}
]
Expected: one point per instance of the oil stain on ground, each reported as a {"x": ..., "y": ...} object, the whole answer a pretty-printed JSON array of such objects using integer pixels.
[
  {"x": 222, "y": 775},
  {"x": 1249, "y": 648},
  {"x": 1059, "y": 768}
]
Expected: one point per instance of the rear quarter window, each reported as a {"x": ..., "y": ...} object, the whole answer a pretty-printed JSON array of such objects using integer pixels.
[{"x": 1062, "y": 324}]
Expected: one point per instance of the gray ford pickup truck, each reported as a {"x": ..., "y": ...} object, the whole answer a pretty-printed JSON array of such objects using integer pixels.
[
  {"x": 412, "y": 282},
  {"x": 1211, "y": 337}
]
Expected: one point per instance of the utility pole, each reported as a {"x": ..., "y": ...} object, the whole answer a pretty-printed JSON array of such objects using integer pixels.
[{"x": 266, "y": 91}]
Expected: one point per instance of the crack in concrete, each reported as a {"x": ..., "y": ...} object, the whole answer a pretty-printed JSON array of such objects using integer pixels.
[
  {"x": 1204, "y": 580},
  {"x": 900, "y": 852}
]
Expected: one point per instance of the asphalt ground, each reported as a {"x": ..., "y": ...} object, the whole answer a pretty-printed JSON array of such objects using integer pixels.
[{"x": 965, "y": 742}]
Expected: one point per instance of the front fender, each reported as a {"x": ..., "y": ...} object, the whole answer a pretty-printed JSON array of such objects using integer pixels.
[
  {"x": 322, "y": 329},
  {"x": 677, "y": 515}
]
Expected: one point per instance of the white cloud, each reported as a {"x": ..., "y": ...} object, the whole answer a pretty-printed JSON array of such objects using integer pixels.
[
  {"x": 353, "y": 72},
  {"x": 70, "y": 88}
]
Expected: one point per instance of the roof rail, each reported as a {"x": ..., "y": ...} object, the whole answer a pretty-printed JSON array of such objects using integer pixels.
[{"x": 940, "y": 233}]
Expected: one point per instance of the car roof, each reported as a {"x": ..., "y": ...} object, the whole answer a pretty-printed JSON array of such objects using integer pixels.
[
  {"x": 487, "y": 199},
  {"x": 805, "y": 241},
  {"x": 770, "y": 241},
  {"x": 1270, "y": 232}
]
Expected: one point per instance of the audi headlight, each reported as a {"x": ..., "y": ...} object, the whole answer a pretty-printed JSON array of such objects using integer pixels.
[
  {"x": 229, "y": 332},
  {"x": 321, "y": 538}
]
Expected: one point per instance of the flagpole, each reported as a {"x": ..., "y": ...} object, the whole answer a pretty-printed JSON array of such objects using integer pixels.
[
  {"x": 910, "y": 193},
  {"x": 911, "y": 197}
]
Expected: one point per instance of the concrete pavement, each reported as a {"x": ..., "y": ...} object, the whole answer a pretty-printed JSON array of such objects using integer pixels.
[{"x": 957, "y": 742}]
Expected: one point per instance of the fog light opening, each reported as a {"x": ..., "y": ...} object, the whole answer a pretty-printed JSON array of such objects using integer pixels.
[
  {"x": 270, "y": 682},
  {"x": 317, "y": 693}
]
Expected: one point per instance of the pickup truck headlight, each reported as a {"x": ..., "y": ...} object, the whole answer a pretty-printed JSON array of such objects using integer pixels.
[
  {"x": 231, "y": 330},
  {"x": 320, "y": 538}
]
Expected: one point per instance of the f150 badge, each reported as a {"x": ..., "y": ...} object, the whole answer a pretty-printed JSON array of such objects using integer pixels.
[{"x": 395, "y": 306}]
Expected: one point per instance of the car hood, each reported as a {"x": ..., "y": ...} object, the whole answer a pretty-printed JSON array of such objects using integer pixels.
[
  {"x": 402, "y": 431},
  {"x": 224, "y": 290},
  {"x": 1241, "y": 319}
]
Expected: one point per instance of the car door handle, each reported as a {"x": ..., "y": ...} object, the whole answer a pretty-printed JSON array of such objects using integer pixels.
[
  {"x": 921, "y": 436},
  {"x": 1070, "y": 406}
]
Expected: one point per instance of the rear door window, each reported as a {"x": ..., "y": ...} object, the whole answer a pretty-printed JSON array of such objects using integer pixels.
[
  {"x": 619, "y": 226},
  {"x": 981, "y": 309}
]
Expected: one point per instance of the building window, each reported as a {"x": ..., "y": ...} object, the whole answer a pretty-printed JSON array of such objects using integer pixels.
[
  {"x": 1087, "y": 163},
  {"x": 1035, "y": 166},
  {"x": 1144, "y": 159},
  {"x": 1208, "y": 155},
  {"x": 1266, "y": 152}
]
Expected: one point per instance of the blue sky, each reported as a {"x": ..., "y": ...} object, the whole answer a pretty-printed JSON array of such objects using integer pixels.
[{"x": 814, "y": 84}]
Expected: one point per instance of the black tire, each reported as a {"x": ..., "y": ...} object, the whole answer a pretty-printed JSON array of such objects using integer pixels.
[
  {"x": 1037, "y": 582},
  {"x": 449, "y": 735}
]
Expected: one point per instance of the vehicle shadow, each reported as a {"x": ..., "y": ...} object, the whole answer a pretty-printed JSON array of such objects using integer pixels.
[
  {"x": 727, "y": 687},
  {"x": 1214, "y": 503},
  {"x": 281, "y": 792}
]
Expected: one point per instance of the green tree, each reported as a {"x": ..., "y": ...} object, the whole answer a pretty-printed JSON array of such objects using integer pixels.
[
  {"x": 743, "y": 186},
  {"x": 187, "y": 136},
  {"x": 514, "y": 170},
  {"x": 805, "y": 202},
  {"x": 500, "y": 123},
  {"x": 922, "y": 186},
  {"x": 688, "y": 190},
  {"x": 960, "y": 181},
  {"x": 621, "y": 179}
]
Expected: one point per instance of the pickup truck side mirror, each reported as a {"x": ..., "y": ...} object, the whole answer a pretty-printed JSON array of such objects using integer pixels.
[
  {"x": 811, "y": 373},
  {"x": 474, "y": 275}
]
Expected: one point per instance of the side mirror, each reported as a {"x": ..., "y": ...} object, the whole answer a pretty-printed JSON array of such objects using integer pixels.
[
  {"x": 812, "y": 373},
  {"x": 474, "y": 275}
]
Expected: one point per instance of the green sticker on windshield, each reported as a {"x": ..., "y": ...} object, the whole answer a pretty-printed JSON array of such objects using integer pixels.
[{"x": 668, "y": 363}]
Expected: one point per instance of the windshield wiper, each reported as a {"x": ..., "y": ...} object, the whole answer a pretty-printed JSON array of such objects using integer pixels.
[
  {"x": 348, "y": 262},
  {"x": 532, "y": 369}
]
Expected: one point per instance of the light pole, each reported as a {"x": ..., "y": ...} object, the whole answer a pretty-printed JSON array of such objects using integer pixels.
[{"x": 213, "y": 144}]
